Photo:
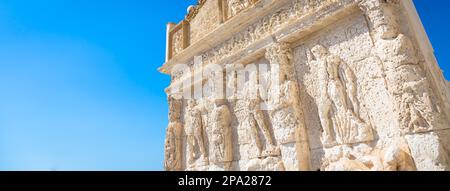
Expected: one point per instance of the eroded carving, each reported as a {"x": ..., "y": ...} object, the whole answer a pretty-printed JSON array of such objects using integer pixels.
[
  {"x": 195, "y": 133},
  {"x": 173, "y": 142},
  {"x": 407, "y": 82},
  {"x": 205, "y": 18},
  {"x": 338, "y": 103},
  {"x": 256, "y": 119},
  {"x": 283, "y": 96},
  {"x": 285, "y": 106},
  {"x": 222, "y": 146},
  {"x": 264, "y": 27},
  {"x": 177, "y": 46},
  {"x": 362, "y": 157},
  {"x": 362, "y": 97},
  {"x": 236, "y": 6}
]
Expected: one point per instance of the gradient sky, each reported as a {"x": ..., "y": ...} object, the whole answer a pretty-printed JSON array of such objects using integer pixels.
[{"x": 79, "y": 87}]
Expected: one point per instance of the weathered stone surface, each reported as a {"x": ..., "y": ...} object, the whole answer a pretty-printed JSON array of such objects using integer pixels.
[
  {"x": 334, "y": 85},
  {"x": 448, "y": 89}
]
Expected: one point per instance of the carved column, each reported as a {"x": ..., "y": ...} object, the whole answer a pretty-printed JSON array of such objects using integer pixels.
[
  {"x": 286, "y": 112},
  {"x": 415, "y": 102}
]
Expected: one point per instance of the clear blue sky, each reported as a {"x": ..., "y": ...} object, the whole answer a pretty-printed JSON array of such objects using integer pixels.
[{"x": 79, "y": 87}]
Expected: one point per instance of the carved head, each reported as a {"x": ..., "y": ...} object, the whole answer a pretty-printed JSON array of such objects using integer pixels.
[{"x": 319, "y": 51}]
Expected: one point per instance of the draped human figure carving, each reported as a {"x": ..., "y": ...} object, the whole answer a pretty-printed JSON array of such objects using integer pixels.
[
  {"x": 338, "y": 103},
  {"x": 195, "y": 133},
  {"x": 256, "y": 119},
  {"x": 352, "y": 85},
  {"x": 173, "y": 141}
]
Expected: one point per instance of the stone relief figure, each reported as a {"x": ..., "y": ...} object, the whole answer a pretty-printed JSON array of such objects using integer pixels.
[
  {"x": 173, "y": 142},
  {"x": 338, "y": 104},
  {"x": 256, "y": 119},
  {"x": 407, "y": 81},
  {"x": 268, "y": 140},
  {"x": 222, "y": 146},
  {"x": 195, "y": 133}
]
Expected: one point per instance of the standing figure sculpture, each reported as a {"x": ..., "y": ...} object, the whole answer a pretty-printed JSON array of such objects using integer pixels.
[
  {"x": 194, "y": 131},
  {"x": 221, "y": 135},
  {"x": 256, "y": 119},
  {"x": 173, "y": 144},
  {"x": 338, "y": 105}
]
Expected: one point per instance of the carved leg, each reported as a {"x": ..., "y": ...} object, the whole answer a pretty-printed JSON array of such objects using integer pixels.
[
  {"x": 191, "y": 149},
  {"x": 255, "y": 134},
  {"x": 201, "y": 144},
  {"x": 260, "y": 119},
  {"x": 217, "y": 149},
  {"x": 324, "y": 113},
  {"x": 354, "y": 100},
  {"x": 270, "y": 149}
]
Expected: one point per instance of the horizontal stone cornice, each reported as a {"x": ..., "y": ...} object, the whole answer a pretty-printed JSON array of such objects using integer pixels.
[
  {"x": 224, "y": 32},
  {"x": 293, "y": 31}
]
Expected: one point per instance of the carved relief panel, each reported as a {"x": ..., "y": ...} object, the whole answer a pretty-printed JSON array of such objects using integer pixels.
[
  {"x": 178, "y": 38},
  {"x": 341, "y": 80},
  {"x": 207, "y": 18},
  {"x": 173, "y": 143},
  {"x": 416, "y": 104},
  {"x": 263, "y": 28},
  {"x": 368, "y": 102},
  {"x": 233, "y": 7}
]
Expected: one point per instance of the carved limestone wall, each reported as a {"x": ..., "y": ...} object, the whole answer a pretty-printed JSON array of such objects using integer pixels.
[
  {"x": 206, "y": 20},
  {"x": 305, "y": 85}
]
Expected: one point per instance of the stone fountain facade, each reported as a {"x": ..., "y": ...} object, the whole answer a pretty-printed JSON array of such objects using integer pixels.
[{"x": 305, "y": 85}]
